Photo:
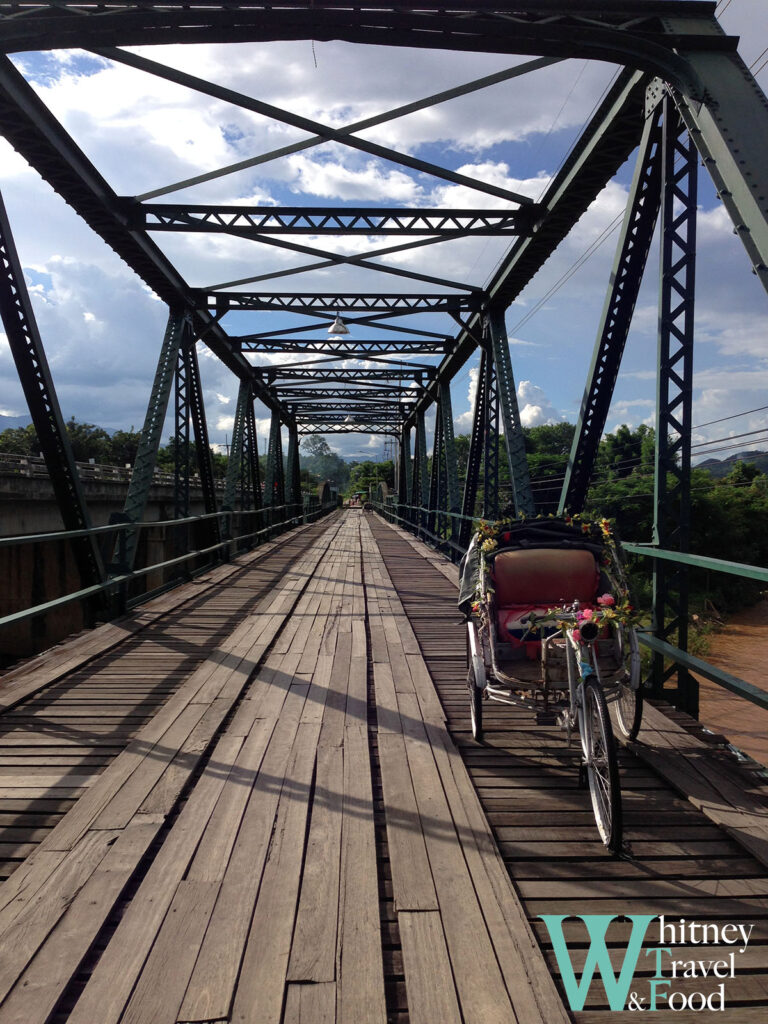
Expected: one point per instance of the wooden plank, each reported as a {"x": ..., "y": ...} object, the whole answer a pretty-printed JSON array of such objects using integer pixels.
[
  {"x": 260, "y": 991},
  {"x": 311, "y": 1004},
  {"x": 482, "y": 991},
  {"x": 212, "y": 986},
  {"x": 361, "y": 972},
  {"x": 160, "y": 988},
  {"x": 113, "y": 978},
  {"x": 708, "y": 783},
  {"x": 313, "y": 952},
  {"x": 428, "y": 980},
  {"x": 26, "y": 925},
  {"x": 41, "y": 985},
  {"x": 411, "y": 874}
]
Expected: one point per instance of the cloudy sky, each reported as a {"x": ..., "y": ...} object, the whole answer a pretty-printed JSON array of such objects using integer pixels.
[{"x": 102, "y": 328}]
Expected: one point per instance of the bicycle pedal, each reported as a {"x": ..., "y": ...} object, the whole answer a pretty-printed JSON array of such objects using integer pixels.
[{"x": 546, "y": 718}]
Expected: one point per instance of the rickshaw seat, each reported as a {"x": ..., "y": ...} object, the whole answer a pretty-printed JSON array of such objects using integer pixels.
[
  {"x": 544, "y": 576},
  {"x": 534, "y": 580}
]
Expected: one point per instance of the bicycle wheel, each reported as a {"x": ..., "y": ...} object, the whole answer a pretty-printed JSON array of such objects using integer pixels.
[
  {"x": 629, "y": 701},
  {"x": 475, "y": 706},
  {"x": 602, "y": 765}
]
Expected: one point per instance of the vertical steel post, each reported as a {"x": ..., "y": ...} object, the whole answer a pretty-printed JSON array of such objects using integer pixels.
[
  {"x": 293, "y": 470},
  {"x": 420, "y": 474},
  {"x": 476, "y": 447},
  {"x": 403, "y": 474},
  {"x": 491, "y": 450},
  {"x": 435, "y": 503},
  {"x": 671, "y": 527},
  {"x": 452, "y": 501},
  {"x": 146, "y": 457},
  {"x": 522, "y": 495},
  {"x": 28, "y": 353},
  {"x": 626, "y": 276},
  {"x": 234, "y": 475},
  {"x": 181, "y": 453},
  {"x": 234, "y": 465},
  {"x": 274, "y": 485},
  {"x": 202, "y": 443}
]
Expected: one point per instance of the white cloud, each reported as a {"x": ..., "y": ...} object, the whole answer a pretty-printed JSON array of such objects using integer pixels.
[{"x": 535, "y": 407}]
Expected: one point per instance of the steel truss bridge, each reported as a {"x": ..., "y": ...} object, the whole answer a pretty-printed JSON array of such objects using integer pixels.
[{"x": 683, "y": 97}]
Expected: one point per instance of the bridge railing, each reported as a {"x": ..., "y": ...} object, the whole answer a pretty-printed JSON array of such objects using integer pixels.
[
  {"x": 34, "y": 467},
  {"x": 239, "y": 530},
  {"x": 414, "y": 518}
]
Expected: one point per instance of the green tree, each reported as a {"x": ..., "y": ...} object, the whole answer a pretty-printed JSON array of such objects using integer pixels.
[
  {"x": 19, "y": 441},
  {"x": 88, "y": 441}
]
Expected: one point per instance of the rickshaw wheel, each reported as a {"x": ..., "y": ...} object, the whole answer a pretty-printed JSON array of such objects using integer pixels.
[
  {"x": 602, "y": 765},
  {"x": 629, "y": 710},
  {"x": 629, "y": 699},
  {"x": 475, "y": 706}
]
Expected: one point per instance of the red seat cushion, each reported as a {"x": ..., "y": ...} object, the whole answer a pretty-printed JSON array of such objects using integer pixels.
[{"x": 545, "y": 577}]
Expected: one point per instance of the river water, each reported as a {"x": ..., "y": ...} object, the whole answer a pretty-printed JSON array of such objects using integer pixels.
[{"x": 741, "y": 649}]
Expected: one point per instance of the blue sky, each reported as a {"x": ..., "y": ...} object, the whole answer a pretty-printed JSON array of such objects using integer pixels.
[{"x": 102, "y": 327}]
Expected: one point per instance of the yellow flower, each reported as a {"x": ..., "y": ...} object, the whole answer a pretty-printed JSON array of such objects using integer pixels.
[{"x": 489, "y": 545}]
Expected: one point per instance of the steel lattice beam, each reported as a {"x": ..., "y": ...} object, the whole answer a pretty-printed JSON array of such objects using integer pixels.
[
  {"x": 317, "y": 304},
  {"x": 345, "y": 349},
  {"x": 626, "y": 276},
  {"x": 522, "y": 495},
  {"x": 300, "y": 220},
  {"x": 672, "y": 520},
  {"x": 28, "y": 353}
]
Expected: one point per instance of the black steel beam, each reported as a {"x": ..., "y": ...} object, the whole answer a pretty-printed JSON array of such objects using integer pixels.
[
  {"x": 345, "y": 349},
  {"x": 636, "y": 33},
  {"x": 624, "y": 284},
  {"x": 28, "y": 353},
  {"x": 314, "y": 304},
  {"x": 247, "y": 221}
]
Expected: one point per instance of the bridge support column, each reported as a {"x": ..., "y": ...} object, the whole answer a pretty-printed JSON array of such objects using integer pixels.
[
  {"x": 28, "y": 353},
  {"x": 234, "y": 477},
  {"x": 522, "y": 495},
  {"x": 181, "y": 460},
  {"x": 483, "y": 449},
  {"x": 404, "y": 474},
  {"x": 274, "y": 482},
  {"x": 671, "y": 527},
  {"x": 178, "y": 330},
  {"x": 419, "y": 496},
  {"x": 626, "y": 275},
  {"x": 293, "y": 470}
]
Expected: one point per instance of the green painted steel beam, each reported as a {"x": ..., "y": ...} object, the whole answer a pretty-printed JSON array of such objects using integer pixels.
[
  {"x": 738, "y": 686},
  {"x": 748, "y": 572},
  {"x": 522, "y": 494},
  {"x": 146, "y": 456}
]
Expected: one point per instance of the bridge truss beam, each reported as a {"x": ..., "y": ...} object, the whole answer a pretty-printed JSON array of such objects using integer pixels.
[{"x": 26, "y": 347}]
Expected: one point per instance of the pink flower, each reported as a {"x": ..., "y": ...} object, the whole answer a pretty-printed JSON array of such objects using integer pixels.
[
  {"x": 576, "y": 634},
  {"x": 606, "y": 600}
]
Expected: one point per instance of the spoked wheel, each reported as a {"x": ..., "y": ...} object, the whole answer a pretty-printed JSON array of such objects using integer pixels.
[
  {"x": 475, "y": 705},
  {"x": 629, "y": 701},
  {"x": 602, "y": 765}
]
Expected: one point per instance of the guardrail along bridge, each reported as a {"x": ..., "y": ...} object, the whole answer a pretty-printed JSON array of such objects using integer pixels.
[{"x": 247, "y": 789}]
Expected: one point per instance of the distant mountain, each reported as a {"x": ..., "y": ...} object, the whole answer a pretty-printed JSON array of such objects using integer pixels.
[
  {"x": 722, "y": 467},
  {"x": 6, "y": 422}
]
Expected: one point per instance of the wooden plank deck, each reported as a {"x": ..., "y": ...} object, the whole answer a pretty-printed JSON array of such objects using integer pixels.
[{"x": 296, "y": 828}]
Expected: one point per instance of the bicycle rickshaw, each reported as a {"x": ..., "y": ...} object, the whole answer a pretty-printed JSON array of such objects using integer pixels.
[{"x": 550, "y": 629}]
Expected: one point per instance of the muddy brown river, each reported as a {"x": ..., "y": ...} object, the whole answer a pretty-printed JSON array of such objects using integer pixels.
[{"x": 741, "y": 649}]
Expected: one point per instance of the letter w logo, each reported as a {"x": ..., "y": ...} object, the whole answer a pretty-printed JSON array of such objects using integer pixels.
[{"x": 597, "y": 956}]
